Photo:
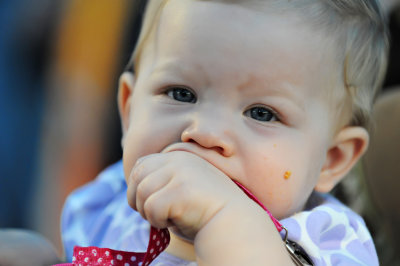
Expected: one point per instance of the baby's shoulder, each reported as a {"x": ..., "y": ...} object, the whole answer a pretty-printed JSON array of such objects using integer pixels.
[
  {"x": 331, "y": 232},
  {"x": 97, "y": 214},
  {"x": 100, "y": 191}
]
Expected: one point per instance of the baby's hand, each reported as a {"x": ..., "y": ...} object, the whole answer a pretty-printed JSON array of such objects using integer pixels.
[{"x": 179, "y": 189}]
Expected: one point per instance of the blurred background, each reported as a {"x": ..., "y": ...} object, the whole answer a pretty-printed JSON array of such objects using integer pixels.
[
  {"x": 59, "y": 127},
  {"x": 59, "y": 68}
]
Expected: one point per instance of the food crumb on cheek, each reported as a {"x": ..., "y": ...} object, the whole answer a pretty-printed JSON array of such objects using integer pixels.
[{"x": 287, "y": 175}]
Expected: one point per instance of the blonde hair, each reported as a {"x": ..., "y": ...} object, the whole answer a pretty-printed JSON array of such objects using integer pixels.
[{"x": 357, "y": 27}]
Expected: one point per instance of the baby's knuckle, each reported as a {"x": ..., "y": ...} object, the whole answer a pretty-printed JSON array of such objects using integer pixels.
[
  {"x": 131, "y": 199},
  {"x": 149, "y": 210},
  {"x": 182, "y": 187},
  {"x": 177, "y": 212},
  {"x": 137, "y": 171},
  {"x": 142, "y": 191}
]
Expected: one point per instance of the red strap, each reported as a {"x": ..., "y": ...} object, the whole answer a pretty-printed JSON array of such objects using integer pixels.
[
  {"x": 250, "y": 195},
  {"x": 158, "y": 242},
  {"x": 94, "y": 256}
]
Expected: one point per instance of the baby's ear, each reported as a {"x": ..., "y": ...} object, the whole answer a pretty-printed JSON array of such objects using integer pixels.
[
  {"x": 125, "y": 90},
  {"x": 349, "y": 145}
]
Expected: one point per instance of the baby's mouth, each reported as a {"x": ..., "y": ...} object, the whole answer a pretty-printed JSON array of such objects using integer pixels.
[
  {"x": 180, "y": 146},
  {"x": 212, "y": 156},
  {"x": 208, "y": 155}
]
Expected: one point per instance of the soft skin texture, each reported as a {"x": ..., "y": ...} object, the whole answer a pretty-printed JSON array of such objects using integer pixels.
[{"x": 193, "y": 119}]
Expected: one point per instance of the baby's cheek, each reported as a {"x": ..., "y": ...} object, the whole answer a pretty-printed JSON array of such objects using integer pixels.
[
  {"x": 132, "y": 151},
  {"x": 279, "y": 198},
  {"x": 298, "y": 188},
  {"x": 144, "y": 138},
  {"x": 268, "y": 185},
  {"x": 279, "y": 187}
]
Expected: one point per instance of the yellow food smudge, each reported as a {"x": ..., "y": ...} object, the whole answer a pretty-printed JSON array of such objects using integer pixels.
[{"x": 287, "y": 174}]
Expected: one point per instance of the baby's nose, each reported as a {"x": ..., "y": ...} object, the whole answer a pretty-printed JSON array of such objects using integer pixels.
[{"x": 210, "y": 135}]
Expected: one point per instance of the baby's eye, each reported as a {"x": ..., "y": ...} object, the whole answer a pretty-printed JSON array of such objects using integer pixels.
[
  {"x": 261, "y": 114},
  {"x": 181, "y": 94}
]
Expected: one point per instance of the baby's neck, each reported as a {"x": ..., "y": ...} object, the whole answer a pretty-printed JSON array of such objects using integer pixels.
[{"x": 181, "y": 248}]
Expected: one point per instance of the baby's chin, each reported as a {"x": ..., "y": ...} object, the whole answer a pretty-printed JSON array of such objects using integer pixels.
[{"x": 313, "y": 200}]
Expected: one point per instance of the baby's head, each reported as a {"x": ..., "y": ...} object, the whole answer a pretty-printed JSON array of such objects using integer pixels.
[{"x": 275, "y": 94}]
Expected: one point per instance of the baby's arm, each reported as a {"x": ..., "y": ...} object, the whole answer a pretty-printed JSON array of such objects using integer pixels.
[
  {"x": 181, "y": 189},
  {"x": 22, "y": 247},
  {"x": 244, "y": 235}
]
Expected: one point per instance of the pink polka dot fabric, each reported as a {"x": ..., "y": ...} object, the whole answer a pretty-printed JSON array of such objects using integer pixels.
[{"x": 94, "y": 256}]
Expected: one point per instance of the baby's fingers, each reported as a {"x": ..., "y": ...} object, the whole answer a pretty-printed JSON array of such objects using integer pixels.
[
  {"x": 156, "y": 209},
  {"x": 176, "y": 205},
  {"x": 139, "y": 192},
  {"x": 143, "y": 167}
]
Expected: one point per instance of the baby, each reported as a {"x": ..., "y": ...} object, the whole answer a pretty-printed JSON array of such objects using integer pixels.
[{"x": 274, "y": 95}]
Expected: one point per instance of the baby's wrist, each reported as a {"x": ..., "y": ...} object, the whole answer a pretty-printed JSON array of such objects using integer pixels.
[{"x": 231, "y": 226}]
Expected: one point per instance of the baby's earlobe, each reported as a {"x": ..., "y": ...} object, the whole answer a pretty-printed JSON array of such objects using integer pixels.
[
  {"x": 325, "y": 182},
  {"x": 125, "y": 89},
  {"x": 349, "y": 145}
]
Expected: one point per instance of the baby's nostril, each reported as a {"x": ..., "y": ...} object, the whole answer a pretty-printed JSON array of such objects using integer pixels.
[{"x": 218, "y": 149}]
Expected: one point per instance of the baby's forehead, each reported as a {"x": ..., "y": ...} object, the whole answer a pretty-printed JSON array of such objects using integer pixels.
[
  {"x": 286, "y": 10},
  {"x": 266, "y": 46},
  {"x": 197, "y": 24}
]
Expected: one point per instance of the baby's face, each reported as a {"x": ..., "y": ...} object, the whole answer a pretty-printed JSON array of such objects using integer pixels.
[{"x": 241, "y": 89}]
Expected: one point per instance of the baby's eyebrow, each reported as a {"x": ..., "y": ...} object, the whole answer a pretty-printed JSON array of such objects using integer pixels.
[
  {"x": 292, "y": 93},
  {"x": 175, "y": 64},
  {"x": 283, "y": 89},
  {"x": 167, "y": 65},
  {"x": 192, "y": 72}
]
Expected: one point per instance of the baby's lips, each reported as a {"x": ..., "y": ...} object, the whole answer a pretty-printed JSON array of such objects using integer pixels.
[
  {"x": 208, "y": 155},
  {"x": 167, "y": 149},
  {"x": 177, "y": 147},
  {"x": 190, "y": 148}
]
